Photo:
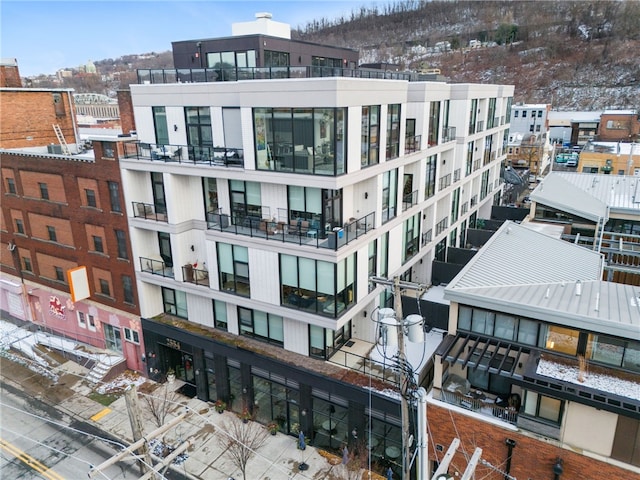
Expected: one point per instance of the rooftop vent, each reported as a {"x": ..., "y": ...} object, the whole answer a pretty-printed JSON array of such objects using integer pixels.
[{"x": 264, "y": 15}]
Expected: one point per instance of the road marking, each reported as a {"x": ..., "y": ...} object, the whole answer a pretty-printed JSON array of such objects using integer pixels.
[
  {"x": 29, "y": 461},
  {"x": 101, "y": 414}
]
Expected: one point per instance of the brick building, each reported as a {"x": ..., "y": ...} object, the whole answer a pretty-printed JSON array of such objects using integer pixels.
[
  {"x": 60, "y": 212},
  {"x": 619, "y": 126}
]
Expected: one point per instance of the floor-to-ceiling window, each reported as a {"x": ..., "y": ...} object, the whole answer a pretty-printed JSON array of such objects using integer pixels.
[
  {"x": 112, "y": 337},
  {"x": 246, "y": 201},
  {"x": 369, "y": 154},
  {"x": 233, "y": 266},
  {"x": 301, "y": 140},
  {"x": 411, "y": 237},
  {"x": 276, "y": 399},
  {"x": 160, "y": 125},
  {"x": 393, "y": 131},
  {"x": 317, "y": 286},
  {"x": 434, "y": 123},
  {"x": 261, "y": 325},
  {"x": 389, "y": 195},
  {"x": 175, "y": 302},
  {"x": 430, "y": 176}
]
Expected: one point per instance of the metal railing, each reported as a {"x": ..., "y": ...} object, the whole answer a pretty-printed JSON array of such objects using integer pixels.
[
  {"x": 474, "y": 201},
  {"x": 149, "y": 211},
  {"x": 456, "y": 174},
  {"x": 480, "y": 126},
  {"x": 156, "y": 267},
  {"x": 427, "y": 237},
  {"x": 484, "y": 406},
  {"x": 191, "y": 154},
  {"x": 197, "y": 276},
  {"x": 298, "y": 232},
  {"x": 200, "y": 75},
  {"x": 412, "y": 144},
  {"x": 448, "y": 134},
  {"x": 442, "y": 225},
  {"x": 388, "y": 373},
  {"x": 409, "y": 200},
  {"x": 444, "y": 181}
]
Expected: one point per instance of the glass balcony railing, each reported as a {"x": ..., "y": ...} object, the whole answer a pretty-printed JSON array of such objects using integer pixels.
[
  {"x": 149, "y": 211},
  {"x": 156, "y": 267},
  {"x": 200, "y": 75},
  {"x": 193, "y": 274},
  {"x": 300, "y": 232},
  {"x": 192, "y": 154}
]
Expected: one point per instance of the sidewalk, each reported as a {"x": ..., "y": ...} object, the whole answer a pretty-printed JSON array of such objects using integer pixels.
[{"x": 277, "y": 459}]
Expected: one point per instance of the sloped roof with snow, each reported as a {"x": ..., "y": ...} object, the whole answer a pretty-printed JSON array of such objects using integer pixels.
[{"x": 525, "y": 272}]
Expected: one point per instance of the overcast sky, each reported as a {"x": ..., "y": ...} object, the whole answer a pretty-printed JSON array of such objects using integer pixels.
[{"x": 45, "y": 36}]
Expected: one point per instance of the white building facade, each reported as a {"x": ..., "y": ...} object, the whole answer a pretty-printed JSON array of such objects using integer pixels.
[{"x": 261, "y": 208}]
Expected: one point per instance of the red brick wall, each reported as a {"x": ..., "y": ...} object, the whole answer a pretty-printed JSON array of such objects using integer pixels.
[
  {"x": 10, "y": 77},
  {"x": 627, "y": 128},
  {"x": 532, "y": 458},
  {"x": 27, "y": 118},
  {"x": 64, "y": 177},
  {"x": 127, "y": 120}
]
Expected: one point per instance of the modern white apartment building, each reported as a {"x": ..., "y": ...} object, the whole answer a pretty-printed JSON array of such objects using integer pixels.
[{"x": 260, "y": 208}]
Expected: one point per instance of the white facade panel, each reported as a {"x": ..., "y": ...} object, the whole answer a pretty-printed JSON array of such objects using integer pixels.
[
  {"x": 265, "y": 277},
  {"x": 296, "y": 336}
]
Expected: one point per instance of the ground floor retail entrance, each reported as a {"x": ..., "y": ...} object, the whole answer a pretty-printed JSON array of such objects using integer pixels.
[{"x": 330, "y": 412}]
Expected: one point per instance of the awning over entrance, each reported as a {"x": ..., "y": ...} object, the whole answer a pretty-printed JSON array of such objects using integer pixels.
[{"x": 484, "y": 353}]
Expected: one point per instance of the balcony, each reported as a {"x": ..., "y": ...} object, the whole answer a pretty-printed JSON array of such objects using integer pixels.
[
  {"x": 474, "y": 201},
  {"x": 197, "y": 276},
  {"x": 456, "y": 175},
  {"x": 442, "y": 225},
  {"x": 200, "y": 75},
  {"x": 358, "y": 357},
  {"x": 156, "y": 267},
  {"x": 409, "y": 200},
  {"x": 480, "y": 126},
  {"x": 448, "y": 134},
  {"x": 427, "y": 237},
  {"x": 412, "y": 144},
  {"x": 444, "y": 181},
  {"x": 189, "y": 154},
  {"x": 457, "y": 391},
  {"x": 296, "y": 231},
  {"x": 149, "y": 211}
]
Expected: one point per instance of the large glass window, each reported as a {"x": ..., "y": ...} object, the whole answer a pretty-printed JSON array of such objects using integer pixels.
[
  {"x": 383, "y": 438},
  {"x": 246, "y": 201},
  {"x": 499, "y": 325},
  {"x": 370, "y": 131},
  {"x": 261, "y": 325},
  {"x": 372, "y": 260},
  {"x": 613, "y": 351},
  {"x": 393, "y": 131},
  {"x": 330, "y": 420},
  {"x": 384, "y": 254},
  {"x": 301, "y": 140},
  {"x": 411, "y": 237},
  {"x": 160, "y": 125},
  {"x": 469, "y": 164},
  {"x": 175, "y": 302},
  {"x": 220, "y": 315},
  {"x": 389, "y": 195},
  {"x": 276, "y": 59},
  {"x": 305, "y": 203},
  {"x": 434, "y": 123},
  {"x": 317, "y": 286},
  {"x": 276, "y": 400},
  {"x": 473, "y": 116},
  {"x": 198, "y": 121},
  {"x": 560, "y": 339},
  {"x": 233, "y": 265},
  {"x": 430, "y": 176},
  {"x": 540, "y": 406},
  {"x": 211, "y": 195},
  {"x": 455, "y": 205}
]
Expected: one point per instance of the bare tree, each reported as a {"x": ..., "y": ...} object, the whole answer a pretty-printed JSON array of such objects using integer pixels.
[
  {"x": 241, "y": 440},
  {"x": 161, "y": 403}
]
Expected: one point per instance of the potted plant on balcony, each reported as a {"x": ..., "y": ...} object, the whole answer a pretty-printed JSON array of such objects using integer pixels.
[
  {"x": 273, "y": 428},
  {"x": 171, "y": 375},
  {"x": 245, "y": 416},
  {"x": 220, "y": 406}
]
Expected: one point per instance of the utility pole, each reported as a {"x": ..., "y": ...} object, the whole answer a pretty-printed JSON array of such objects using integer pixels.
[
  {"x": 397, "y": 285},
  {"x": 131, "y": 399}
]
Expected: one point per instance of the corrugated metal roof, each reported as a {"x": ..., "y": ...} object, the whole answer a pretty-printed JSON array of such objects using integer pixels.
[
  {"x": 524, "y": 272},
  {"x": 516, "y": 255},
  {"x": 589, "y": 195}
]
